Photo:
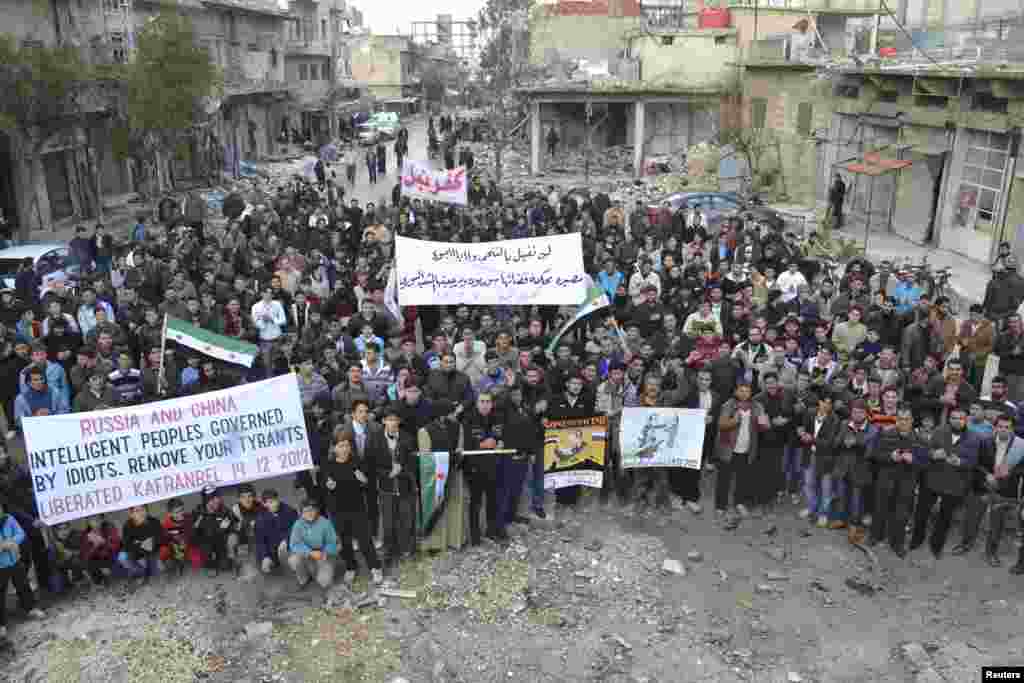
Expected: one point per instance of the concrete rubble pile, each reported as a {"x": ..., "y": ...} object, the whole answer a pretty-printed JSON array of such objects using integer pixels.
[{"x": 607, "y": 161}]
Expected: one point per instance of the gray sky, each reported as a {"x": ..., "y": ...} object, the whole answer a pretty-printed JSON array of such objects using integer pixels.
[{"x": 383, "y": 17}]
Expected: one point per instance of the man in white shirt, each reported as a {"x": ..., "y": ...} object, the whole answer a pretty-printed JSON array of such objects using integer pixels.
[
  {"x": 790, "y": 281},
  {"x": 641, "y": 280},
  {"x": 469, "y": 356},
  {"x": 269, "y": 318}
]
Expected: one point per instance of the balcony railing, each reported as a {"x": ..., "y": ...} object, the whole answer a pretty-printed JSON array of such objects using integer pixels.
[{"x": 665, "y": 17}]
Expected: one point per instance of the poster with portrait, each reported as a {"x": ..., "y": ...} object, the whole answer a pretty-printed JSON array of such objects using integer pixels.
[{"x": 574, "y": 451}]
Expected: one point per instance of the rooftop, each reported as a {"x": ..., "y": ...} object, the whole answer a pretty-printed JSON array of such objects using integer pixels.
[{"x": 268, "y": 7}]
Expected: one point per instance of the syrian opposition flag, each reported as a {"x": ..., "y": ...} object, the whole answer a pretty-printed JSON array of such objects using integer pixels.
[
  {"x": 391, "y": 296},
  {"x": 208, "y": 343},
  {"x": 596, "y": 299},
  {"x": 434, "y": 469}
]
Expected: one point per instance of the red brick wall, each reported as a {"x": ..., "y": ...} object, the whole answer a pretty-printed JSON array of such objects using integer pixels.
[{"x": 596, "y": 8}]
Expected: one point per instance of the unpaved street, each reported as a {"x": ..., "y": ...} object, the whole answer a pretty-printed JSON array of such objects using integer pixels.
[{"x": 585, "y": 597}]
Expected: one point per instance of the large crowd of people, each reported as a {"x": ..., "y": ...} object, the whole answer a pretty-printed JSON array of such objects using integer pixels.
[{"x": 854, "y": 400}]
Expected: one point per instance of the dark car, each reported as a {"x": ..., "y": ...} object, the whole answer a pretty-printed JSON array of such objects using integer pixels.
[{"x": 720, "y": 205}]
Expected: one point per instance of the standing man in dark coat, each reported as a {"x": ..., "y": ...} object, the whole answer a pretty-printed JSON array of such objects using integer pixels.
[
  {"x": 778, "y": 405},
  {"x": 484, "y": 430},
  {"x": 899, "y": 456},
  {"x": 369, "y": 449},
  {"x": 519, "y": 435},
  {"x": 836, "y": 197},
  {"x": 683, "y": 481},
  {"x": 855, "y": 439},
  {"x": 397, "y": 477},
  {"x": 954, "y": 455}
]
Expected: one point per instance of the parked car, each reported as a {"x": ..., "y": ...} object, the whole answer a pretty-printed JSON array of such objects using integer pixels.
[
  {"x": 720, "y": 205},
  {"x": 52, "y": 263},
  {"x": 367, "y": 134}
]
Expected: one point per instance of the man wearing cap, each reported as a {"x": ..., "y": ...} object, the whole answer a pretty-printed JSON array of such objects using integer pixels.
[{"x": 313, "y": 547}]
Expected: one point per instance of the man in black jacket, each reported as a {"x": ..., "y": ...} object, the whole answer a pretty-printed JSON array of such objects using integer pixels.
[
  {"x": 397, "y": 476},
  {"x": 954, "y": 455},
  {"x": 778, "y": 405},
  {"x": 535, "y": 399},
  {"x": 899, "y": 456},
  {"x": 213, "y": 530},
  {"x": 484, "y": 430},
  {"x": 512, "y": 469},
  {"x": 369, "y": 444},
  {"x": 447, "y": 383}
]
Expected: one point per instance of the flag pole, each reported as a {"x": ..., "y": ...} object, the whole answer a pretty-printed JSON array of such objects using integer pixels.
[{"x": 163, "y": 353}]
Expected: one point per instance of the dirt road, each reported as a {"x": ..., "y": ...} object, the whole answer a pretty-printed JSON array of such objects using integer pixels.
[{"x": 585, "y": 597}]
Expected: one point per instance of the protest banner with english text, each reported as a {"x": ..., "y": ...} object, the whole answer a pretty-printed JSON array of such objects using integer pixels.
[
  {"x": 106, "y": 460},
  {"x": 662, "y": 437},
  {"x": 544, "y": 271},
  {"x": 420, "y": 180}
]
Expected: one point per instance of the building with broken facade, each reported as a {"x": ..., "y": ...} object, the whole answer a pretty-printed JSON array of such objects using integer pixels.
[
  {"x": 262, "y": 48},
  {"x": 397, "y": 71},
  {"x": 927, "y": 140},
  {"x": 660, "y": 78}
]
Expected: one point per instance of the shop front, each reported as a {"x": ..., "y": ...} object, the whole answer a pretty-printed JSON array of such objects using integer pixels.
[{"x": 977, "y": 194}]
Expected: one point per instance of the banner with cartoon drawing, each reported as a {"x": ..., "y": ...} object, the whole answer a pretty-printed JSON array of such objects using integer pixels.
[
  {"x": 662, "y": 437},
  {"x": 574, "y": 452}
]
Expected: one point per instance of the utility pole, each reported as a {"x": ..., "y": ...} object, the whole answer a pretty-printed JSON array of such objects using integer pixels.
[
  {"x": 589, "y": 113},
  {"x": 332, "y": 93}
]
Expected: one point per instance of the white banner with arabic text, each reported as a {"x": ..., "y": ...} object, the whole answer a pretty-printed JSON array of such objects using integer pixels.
[{"x": 545, "y": 271}]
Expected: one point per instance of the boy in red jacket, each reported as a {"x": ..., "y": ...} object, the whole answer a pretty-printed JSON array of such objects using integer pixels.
[
  {"x": 101, "y": 542},
  {"x": 176, "y": 548}
]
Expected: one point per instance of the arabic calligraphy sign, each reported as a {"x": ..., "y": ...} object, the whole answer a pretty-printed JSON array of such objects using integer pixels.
[
  {"x": 420, "y": 180},
  {"x": 545, "y": 271}
]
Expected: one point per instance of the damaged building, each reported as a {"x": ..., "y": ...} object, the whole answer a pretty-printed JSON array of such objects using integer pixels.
[
  {"x": 926, "y": 139},
  {"x": 658, "y": 79},
  {"x": 263, "y": 49}
]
